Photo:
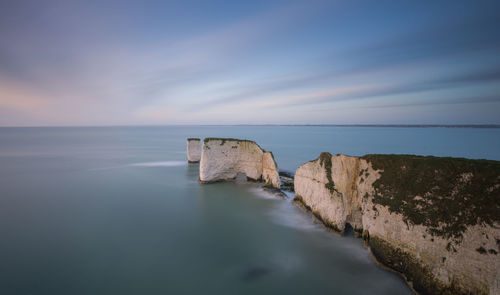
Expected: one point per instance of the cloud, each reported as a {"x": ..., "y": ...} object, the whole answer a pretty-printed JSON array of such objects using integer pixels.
[
  {"x": 457, "y": 40},
  {"x": 433, "y": 46},
  {"x": 130, "y": 62},
  {"x": 438, "y": 101},
  {"x": 21, "y": 98}
]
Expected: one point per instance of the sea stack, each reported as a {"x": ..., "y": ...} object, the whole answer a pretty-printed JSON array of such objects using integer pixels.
[
  {"x": 193, "y": 150},
  {"x": 226, "y": 158},
  {"x": 434, "y": 220}
]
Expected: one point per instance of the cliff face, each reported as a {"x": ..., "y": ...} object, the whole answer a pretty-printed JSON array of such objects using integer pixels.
[
  {"x": 435, "y": 220},
  {"x": 225, "y": 158},
  {"x": 328, "y": 186},
  {"x": 193, "y": 150},
  {"x": 270, "y": 170}
]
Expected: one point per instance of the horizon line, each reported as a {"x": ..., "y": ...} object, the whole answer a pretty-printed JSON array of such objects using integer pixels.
[{"x": 479, "y": 126}]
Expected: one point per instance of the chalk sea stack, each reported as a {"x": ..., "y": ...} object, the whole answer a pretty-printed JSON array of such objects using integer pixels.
[
  {"x": 226, "y": 158},
  {"x": 193, "y": 150},
  {"x": 434, "y": 220}
]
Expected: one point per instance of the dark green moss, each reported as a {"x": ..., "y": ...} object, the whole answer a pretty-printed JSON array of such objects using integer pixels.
[
  {"x": 325, "y": 160},
  {"x": 450, "y": 247},
  {"x": 447, "y": 203},
  {"x": 224, "y": 140},
  {"x": 481, "y": 250}
]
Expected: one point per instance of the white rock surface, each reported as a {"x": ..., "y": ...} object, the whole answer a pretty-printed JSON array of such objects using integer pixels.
[
  {"x": 464, "y": 270},
  {"x": 224, "y": 159},
  {"x": 338, "y": 206},
  {"x": 270, "y": 170},
  {"x": 193, "y": 150}
]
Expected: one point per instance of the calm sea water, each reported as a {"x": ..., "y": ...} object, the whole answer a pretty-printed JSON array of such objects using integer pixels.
[{"x": 117, "y": 210}]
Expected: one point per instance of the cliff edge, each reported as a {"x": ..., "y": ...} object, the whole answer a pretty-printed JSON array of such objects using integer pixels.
[
  {"x": 225, "y": 158},
  {"x": 434, "y": 220},
  {"x": 193, "y": 150}
]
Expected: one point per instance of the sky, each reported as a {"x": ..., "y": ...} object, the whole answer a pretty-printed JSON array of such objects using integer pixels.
[{"x": 80, "y": 63}]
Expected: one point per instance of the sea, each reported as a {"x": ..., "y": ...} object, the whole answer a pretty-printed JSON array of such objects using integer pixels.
[{"x": 118, "y": 210}]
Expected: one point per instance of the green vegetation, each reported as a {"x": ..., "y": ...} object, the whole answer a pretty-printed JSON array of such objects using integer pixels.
[
  {"x": 325, "y": 160},
  {"x": 224, "y": 140},
  {"x": 481, "y": 250},
  {"x": 192, "y": 138},
  {"x": 444, "y": 194}
]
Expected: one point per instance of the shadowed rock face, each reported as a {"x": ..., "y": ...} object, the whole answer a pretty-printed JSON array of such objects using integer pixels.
[
  {"x": 435, "y": 220},
  {"x": 224, "y": 158},
  {"x": 193, "y": 150}
]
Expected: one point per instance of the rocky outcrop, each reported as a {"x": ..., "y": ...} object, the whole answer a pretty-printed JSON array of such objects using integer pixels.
[
  {"x": 270, "y": 170},
  {"x": 435, "y": 220},
  {"x": 286, "y": 181},
  {"x": 225, "y": 158},
  {"x": 327, "y": 186},
  {"x": 193, "y": 150}
]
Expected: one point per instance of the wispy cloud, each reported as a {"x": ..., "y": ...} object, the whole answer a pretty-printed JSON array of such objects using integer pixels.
[{"x": 132, "y": 62}]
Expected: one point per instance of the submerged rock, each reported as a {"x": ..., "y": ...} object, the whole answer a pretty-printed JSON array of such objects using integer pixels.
[
  {"x": 275, "y": 191},
  {"x": 286, "y": 181},
  {"x": 435, "y": 220},
  {"x": 254, "y": 273}
]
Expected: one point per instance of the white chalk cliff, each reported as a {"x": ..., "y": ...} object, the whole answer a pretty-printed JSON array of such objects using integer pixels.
[
  {"x": 225, "y": 158},
  {"x": 435, "y": 220},
  {"x": 270, "y": 170},
  {"x": 193, "y": 150}
]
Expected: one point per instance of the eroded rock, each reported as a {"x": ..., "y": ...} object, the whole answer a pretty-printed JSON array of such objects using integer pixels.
[
  {"x": 193, "y": 150},
  {"x": 425, "y": 217},
  {"x": 286, "y": 181},
  {"x": 223, "y": 158}
]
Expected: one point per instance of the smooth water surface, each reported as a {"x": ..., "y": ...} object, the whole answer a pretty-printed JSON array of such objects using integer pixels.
[{"x": 117, "y": 210}]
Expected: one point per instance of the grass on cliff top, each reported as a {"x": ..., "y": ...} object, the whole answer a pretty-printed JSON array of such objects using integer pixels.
[
  {"x": 193, "y": 138},
  {"x": 224, "y": 140},
  {"x": 453, "y": 193}
]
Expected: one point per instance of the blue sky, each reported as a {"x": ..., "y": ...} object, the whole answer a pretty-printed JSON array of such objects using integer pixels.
[{"x": 249, "y": 62}]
